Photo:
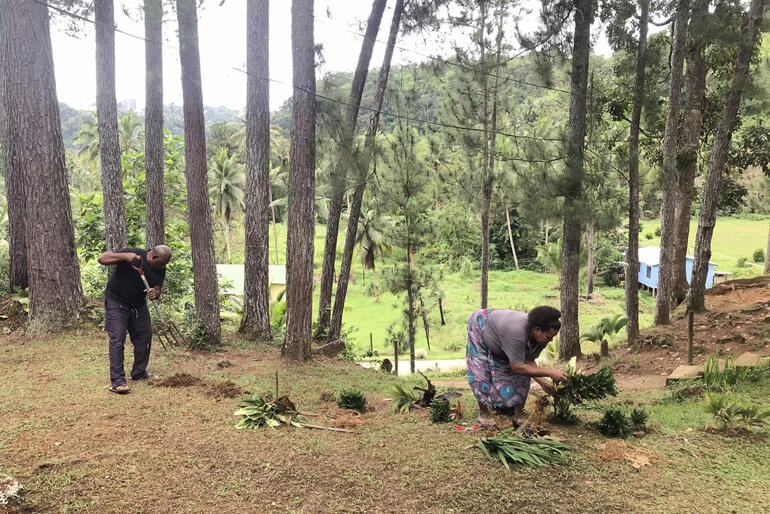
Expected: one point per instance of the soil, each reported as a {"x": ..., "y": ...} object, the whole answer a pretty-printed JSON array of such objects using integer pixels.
[
  {"x": 735, "y": 322},
  {"x": 179, "y": 380},
  {"x": 226, "y": 389}
]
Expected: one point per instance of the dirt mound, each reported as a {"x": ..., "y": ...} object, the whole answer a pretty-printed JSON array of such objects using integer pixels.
[
  {"x": 179, "y": 380},
  {"x": 226, "y": 389},
  {"x": 618, "y": 450},
  {"x": 735, "y": 322}
]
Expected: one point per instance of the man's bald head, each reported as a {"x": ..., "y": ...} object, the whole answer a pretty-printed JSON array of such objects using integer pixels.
[{"x": 159, "y": 256}]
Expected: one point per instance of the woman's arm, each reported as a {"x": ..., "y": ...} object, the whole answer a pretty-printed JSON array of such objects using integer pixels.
[{"x": 530, "y": 369}]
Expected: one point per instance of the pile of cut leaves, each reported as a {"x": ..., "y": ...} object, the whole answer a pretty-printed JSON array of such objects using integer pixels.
[
  {"x": 258, "y": 412},
  {"x": 521, "y": 451},
  {"x": 580, "y": 388},
  {"x": 404, "y": 399}
]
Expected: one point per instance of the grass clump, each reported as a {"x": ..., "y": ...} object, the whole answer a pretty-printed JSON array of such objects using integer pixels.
[
  {"x": 353, "y": 399},
  {"x": 533, "y": 453},
  {"x": 440, "y": 411},
  {"x": 732, "y": 416}
]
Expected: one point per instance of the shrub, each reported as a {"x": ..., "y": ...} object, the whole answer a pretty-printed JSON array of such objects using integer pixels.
[
  {"x": 657, "y": 232},
  {"x": 741, "y": 262},
  {"x": 453, "y": 346},
  {"x": 353, "y": 399},
  {"x": 758, "y": 255},
  {"x": 639, "y": 418},
  {"x": 614, "y": 424},
  {"x": 648, "y": 236},
  {"x": 439, "y": 411}
]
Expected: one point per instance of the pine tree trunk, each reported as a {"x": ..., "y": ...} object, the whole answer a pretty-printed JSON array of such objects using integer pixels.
[
  {"x": 275, "y": 225},
  {"x": 767, "y": 255},
  {"x": 590, "y": 251},
  {"x": 426, "y": 326},
  {"x": 510, "y": 237},
  {"x": 107, "y": 124},
  {"x": 14, "y": 196},
  {"x": 570, "y": 256},
  {"x": 363, "y": 171},
  {"x": 441, "y": 312},
  {"x": 718, "y": 157},
  {"x": 632, "y": 254},
  {"x": 153, "y": 124},
  {"x": 299, "y": 243},
  {"x": 205, "y": 283},
  {"x": 687, "y": 164},
  {"x": 344, "y": 162},
  {"x": 256, "y": 289},
  {"x": 36, "y": 147},
  {"x": 668, "y": 175}
]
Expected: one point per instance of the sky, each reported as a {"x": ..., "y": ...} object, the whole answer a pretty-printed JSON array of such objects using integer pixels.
[{"x": 222, "y": 40}]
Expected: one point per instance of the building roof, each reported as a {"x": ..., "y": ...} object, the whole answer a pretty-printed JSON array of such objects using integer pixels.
[
  {"x": 234, "y": 273},
  {"x": 650, "y": 255}
]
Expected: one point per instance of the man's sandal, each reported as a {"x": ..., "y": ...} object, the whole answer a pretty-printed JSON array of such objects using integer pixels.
[{"x": 121, "y": 389}]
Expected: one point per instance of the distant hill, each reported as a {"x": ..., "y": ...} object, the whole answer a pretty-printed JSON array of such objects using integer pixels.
[{"x": 173, "y": 119}]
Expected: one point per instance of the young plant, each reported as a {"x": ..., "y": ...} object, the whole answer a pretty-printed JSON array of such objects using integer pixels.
[
  {"x": 353, "y": 399},
  {"x": 402, "y": 398},
  {"x": 534, "y": 453},
  {"x": 440, "y": 411},
  {"x": 733, "y": 416},
  {"x": 614, "y": 424},
  {"x": 258, "y": 412},
  {"x": 639, "y": 419},
  {"x": 580, "y": 388}
]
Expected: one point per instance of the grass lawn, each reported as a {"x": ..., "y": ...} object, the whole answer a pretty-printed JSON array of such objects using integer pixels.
[
  {"x": 77, "y": 448},
  {"x": 522, "y": 290},
  {"x": 733, "y": 238}
]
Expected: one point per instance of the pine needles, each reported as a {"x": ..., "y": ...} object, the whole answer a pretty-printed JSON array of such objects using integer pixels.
[{"x": 534, "y": 453}]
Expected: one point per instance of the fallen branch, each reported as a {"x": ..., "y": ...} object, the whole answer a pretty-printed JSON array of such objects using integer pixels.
[{"x": 319, "y": 427}]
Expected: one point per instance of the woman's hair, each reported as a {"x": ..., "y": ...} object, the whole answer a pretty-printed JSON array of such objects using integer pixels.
[{"x": 544, "y": 318}]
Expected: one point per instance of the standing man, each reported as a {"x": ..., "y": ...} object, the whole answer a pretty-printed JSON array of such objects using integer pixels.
[{"x": 125, "y": 308}]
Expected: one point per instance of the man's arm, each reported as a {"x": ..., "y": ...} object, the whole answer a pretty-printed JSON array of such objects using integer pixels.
[{"x": 108, "y": 258}]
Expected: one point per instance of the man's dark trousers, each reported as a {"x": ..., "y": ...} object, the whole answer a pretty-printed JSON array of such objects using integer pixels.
[{"x": 119, "y": 319}]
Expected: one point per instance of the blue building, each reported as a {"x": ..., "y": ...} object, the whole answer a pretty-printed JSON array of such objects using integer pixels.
[{"x": 649, "y": 268}]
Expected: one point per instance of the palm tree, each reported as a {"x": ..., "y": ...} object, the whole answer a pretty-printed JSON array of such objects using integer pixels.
[
  {"x": 130, "y": 133},
  {"x": 607, "y": 326},
  {"x": 370, "y": 236},
  {"x": 88, "y": 137},
  {"x": 227, "y": 181}
]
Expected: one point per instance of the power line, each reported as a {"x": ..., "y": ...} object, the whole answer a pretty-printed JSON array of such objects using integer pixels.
[{"x": 330, "y": 99}]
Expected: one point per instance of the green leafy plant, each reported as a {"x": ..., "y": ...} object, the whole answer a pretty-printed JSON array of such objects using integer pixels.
[
  {"x": 353, "y": 399},
  {"x": 534, "y": 453},
  {"x": 402, "y": 398},
  {"x": 440, "y": 411},
  {"x": 606, "y": 328},
  {"x": 741, "y": 262},
  {"x": 758, "y": 256},
  {"x": 580, "y": 388},
  {"x": 730, "y": 415},
  {"x": 638, "y": 418},
  {"x": 453, "y": 346},
  {"x": 614, "y": 424},
  {"x": 258, "y": 412}
]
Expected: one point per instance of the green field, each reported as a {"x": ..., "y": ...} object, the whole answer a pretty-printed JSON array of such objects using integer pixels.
[{"x": 733, "y": 238}]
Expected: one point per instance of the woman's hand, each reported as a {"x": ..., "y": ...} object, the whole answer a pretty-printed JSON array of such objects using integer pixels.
[{"x": 557, "y": 375}]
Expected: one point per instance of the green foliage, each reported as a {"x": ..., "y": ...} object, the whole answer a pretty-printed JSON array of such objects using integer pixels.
[
  {"x": 614, "y": 424},
  {"x": 549, "y": 257},
  {"x": 457, "y": 236},
  {"x": 741, "y": 262},
  {"x": 397, "y": 336},
  {"x": 533, "y": 453},
  {"x": 718, "y": 375},
  {"x": 731, "y": 415},
  {"x": 402, "y": 397},
  {"x": 353, "y": 399},
  {"x": 197, "y": 331},
  {"x": 453, "y": 346},
  {"x": 648, "y": 236},
  {"x": 580, "y": 388},
  {"x": 440, "y": 411},
  {"x": 758, "y": 256},
  {"x": 657, "y": 231},
  {"x": 258, "y": 412},
  {"x": 607, "y": 327},
  {"x": 638, "y": 419}
]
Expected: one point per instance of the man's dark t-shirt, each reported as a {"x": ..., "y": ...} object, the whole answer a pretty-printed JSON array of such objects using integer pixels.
[{"x": 126, "y": 285}]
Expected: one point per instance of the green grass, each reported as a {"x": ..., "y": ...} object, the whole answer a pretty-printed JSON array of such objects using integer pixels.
[
  {"x": 733, "y": 238},
  {"x": 521, "y": 290}
]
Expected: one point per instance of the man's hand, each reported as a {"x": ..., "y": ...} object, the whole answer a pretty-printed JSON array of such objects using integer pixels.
[
  {"x": 557, "y": 375},
  {"x": 133, "y": 259},
  {"x": 153, "y": 293}
]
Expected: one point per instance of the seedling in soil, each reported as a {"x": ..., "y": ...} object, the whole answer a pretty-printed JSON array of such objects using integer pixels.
[
  {"x": 353, "y": 399},
  {"x": 614, "y": 424},
  {"x": 580, "y": 388},
  {"x": 402, "y": 398},
  {"x": 639, "y": 419},
  {"x": 440, "y": 412}
]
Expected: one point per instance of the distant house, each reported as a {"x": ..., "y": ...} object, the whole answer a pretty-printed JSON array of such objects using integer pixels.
[
  {"x": 234, "y": 273},
  {"x": 649, "y": 268}
]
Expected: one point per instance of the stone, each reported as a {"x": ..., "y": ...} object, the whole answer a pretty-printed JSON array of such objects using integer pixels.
[
  {"x": 748, "y": 360},
  {"x": 684, "y": 372},
  {"x": 10, "y": 492}
]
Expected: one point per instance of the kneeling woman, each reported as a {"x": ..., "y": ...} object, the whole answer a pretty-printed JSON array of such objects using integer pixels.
[{"x": 501, "y": 353}]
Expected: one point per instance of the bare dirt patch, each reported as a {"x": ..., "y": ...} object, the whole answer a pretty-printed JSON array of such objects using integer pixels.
[
  {"x": 179, "y": 380},
  {"x": 226, "y": 389}
]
